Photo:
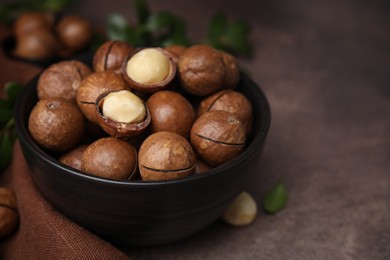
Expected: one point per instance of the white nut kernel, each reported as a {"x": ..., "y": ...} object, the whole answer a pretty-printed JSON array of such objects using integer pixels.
[
  {"x": 242, "y": 211},
  {"x": 123, "y": 106},
  {"x": 148, "y": 66}
]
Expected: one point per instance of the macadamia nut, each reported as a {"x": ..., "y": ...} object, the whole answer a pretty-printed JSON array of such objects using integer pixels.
[
  {"x": 165, "y": 156},
  {"x": 56, "y": 124},
  {"x": 73, "y": 157},
  {"x": 201, "y": 70},
  {"x": 62, "y": 80},
  {"x": 74, "y": 32},
  {"x": 217, "y": 137},
  {"x": 232, "y": 101},
  {"x": 148, "y": 66},
  {"x": 9, "y": 216},
  {"x": 171, "y": 112},
  {"x": 242, "y": 211},
  {"x": 93, "y": 86},
  {"x": 110, "y": 55},
  {"x": 110, "y": 158},
  {"x": 29, "y": 21},
  {"x": 123, "y": 106},
  {"x": 40, "y": 44}
]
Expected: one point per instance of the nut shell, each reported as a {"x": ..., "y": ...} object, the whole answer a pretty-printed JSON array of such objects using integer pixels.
[
  {"x": 9, "y": 216},
  {"x": 231, "y": 101},
  {"x": 119, "y": 129},
  {"x": 110, "y": 158},
  {"x": 62, "y": 80},
  {"x": 150, "y": 88},
  {"x": 110, "y": 56},
  {"x": 92, "y": 87},
  {"x": 165, "y": 156},
  {"x": 56, "y": 124},
  {"x": 171, "y": 112},
  {"x": 201, "y": 70},
  {"x": 217, "y": 137}
]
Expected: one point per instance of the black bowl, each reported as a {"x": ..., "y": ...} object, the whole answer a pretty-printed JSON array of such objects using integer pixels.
[{"x": 138, "y": 212}]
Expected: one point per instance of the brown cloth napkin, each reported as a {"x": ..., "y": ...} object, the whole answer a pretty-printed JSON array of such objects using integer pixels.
[{"x": 43, "y": 232}]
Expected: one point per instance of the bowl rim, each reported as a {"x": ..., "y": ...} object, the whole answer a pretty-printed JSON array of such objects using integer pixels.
[{"x": 26, "y": 139}]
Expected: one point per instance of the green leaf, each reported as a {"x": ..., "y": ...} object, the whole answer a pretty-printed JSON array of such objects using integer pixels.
[
  {"x": 5, "y": 104},
  {"x": 159, "y": 21},
  {"x": 236, "y": 37},
  {"x": 177, "y": 36},
  {"x": 178, "y": 39},
  {"x": 135, "y": 36},
  {"x": 54, "y": 5},
  {"x": 238, "y": 28},
  {"x": 12, "y": 90},
  {"x": 141, "y": 10},
  {"x": 96, "y": 42},
  {"x": 5, "y": 151},
  {"x": 217, "y": 27},
  {"x": 179, "y": 27},
  {"x": 13, "y": 135},
  {"x": 275, "y": 199},
  {"x": 4, "y": 14},
  {"x": 118, "y": 28},
  {"x": 167, "y": 29},
  {"x": 5, "y": 115}
]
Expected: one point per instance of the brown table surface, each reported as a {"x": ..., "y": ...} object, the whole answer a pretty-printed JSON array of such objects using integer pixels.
[{"x": 324, "y": 65}]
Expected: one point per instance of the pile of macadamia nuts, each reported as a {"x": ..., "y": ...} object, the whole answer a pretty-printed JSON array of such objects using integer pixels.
[
  {"x": 42, "y": 35},
  {"x": 143, "y": 113}
]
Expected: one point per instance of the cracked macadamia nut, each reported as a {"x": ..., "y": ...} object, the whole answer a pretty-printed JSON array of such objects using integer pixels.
[
  {"x": 148, "y": 66},
  {"x": 231, "y": 101},
  {"x": 171, "y": 112},
  {"x": 201, "y": 70},
  {"x": 110, "y": 158},
  {"x": 56, "y": 124},
  {"x": 123, "y": 106},
  {"x": 122, "y": 114},
  {"x": 92, "y": 87},
  {"x": 165, "y": 156},
  {"x": 62, "y": 80},
  {"x": 217, "y": 137},
  {"x": 110, "y": 56},
  {"x": 149, "y": 70},
  {"x": 9, "y": 216},
  {"x": 242, "y": 211}
]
